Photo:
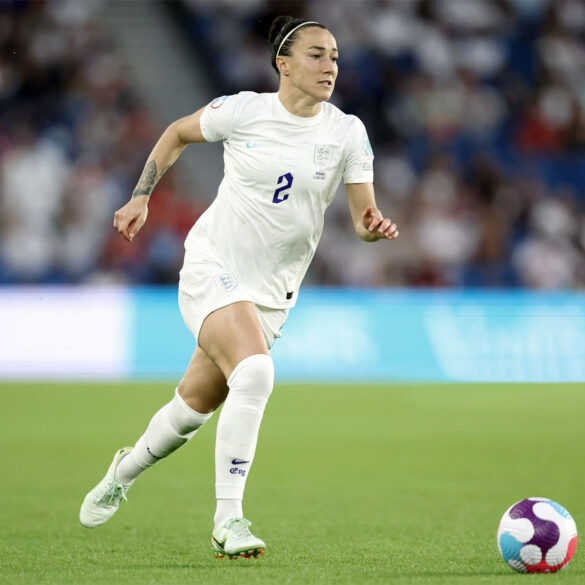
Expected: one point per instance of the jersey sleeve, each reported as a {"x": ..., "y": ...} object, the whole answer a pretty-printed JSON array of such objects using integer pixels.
[
  {"x": 359, "y": 162},
  {"x": 217, "y": 119}
]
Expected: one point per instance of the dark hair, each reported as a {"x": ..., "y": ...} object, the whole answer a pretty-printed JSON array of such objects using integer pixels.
[{"x": 279, "y": 28}]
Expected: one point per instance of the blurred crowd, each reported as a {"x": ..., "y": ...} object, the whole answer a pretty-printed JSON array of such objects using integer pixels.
[
  {"x": 475, "y": 109},
  {"x": 74, "y": 137}
]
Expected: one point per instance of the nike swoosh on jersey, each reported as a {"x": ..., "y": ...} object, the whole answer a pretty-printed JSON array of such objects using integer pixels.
[
  {"x": 239, "y": 462},
  {"x": 251, "y": 144}
]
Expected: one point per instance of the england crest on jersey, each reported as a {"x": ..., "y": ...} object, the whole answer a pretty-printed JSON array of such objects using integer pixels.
[{"x": 323, "y": 156}]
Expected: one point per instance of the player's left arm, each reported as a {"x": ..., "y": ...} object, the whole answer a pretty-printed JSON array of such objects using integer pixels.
[{"x": 370, "y": 225}]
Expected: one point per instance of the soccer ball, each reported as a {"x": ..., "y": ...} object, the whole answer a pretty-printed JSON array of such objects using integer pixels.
[{"x": 537, "y": 535}]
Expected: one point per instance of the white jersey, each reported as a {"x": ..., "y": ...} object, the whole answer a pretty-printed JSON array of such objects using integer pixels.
[{"x": 281, "y": 173}]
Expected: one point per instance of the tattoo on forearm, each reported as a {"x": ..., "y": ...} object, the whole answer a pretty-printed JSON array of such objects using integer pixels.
[{"x": 148, "y": 179}]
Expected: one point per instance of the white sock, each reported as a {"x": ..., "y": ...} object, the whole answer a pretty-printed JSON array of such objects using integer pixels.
[
  {"x": 250, "y": 386},
  {"x": 227, "y": 509},
  {"x": 172, "y": 426}
]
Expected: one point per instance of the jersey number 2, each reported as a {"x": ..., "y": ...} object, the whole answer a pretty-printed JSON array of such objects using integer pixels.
[{"x": 280, "y": 194}]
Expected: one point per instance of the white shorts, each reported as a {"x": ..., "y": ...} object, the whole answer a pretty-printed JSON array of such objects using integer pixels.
[{"x": 205, "y": 287}]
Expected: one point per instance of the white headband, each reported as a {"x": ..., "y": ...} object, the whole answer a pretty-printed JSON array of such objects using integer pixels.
[{"x": 291, "y": 32}]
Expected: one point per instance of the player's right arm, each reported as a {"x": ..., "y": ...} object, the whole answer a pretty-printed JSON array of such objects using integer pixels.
[{"x": 129, "y": 219}]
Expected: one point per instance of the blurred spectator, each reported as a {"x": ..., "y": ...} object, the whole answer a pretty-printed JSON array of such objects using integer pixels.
[{"x": 33, "y": 175}]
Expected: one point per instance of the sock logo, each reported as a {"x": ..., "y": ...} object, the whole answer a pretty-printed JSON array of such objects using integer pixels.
[
  {"x": 239, "y": 462},
  {"x": 236, "y": 470}
]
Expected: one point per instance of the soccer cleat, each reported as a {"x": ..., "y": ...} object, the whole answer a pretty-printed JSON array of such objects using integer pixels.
[
  {"x": 102, "y": 502},
  {"x": 234, "y": 540}
]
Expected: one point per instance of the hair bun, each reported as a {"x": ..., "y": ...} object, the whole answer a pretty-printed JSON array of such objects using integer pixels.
[{"x": 276, "y": 27}]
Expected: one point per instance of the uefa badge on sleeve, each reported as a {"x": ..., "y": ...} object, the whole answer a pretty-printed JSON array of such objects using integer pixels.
[{"x": 218, "y": 102}]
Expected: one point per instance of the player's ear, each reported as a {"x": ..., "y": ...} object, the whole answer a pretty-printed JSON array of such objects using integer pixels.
[{"x": 282, "y": 65}]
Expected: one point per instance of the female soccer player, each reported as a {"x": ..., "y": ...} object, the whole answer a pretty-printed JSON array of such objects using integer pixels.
[{"x": 285, "y": 154}]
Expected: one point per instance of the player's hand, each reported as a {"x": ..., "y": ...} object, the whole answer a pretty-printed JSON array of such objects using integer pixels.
[
  {"x": 376, "y": 226},
  {"x": 128, "y": 220}
]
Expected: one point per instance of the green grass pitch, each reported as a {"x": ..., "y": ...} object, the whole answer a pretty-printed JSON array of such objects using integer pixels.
[{"x": 351, "y": 484}]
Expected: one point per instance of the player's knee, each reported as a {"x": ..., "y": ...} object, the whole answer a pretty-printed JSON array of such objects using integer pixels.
[
  {"x": 185, "y": 389},
  {"x": 200, "y": 393},
  {"x": 184, "y": 419},
  {"x": 253, "y": 376}
]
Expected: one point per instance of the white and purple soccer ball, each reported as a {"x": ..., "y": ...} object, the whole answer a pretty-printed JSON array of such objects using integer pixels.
[{"x": 537, "y": 535}]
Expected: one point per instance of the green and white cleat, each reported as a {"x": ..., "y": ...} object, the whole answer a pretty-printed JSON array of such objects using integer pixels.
[
  {"x": 102, "y": 502},
  {"x": 234, "y": 540}
]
